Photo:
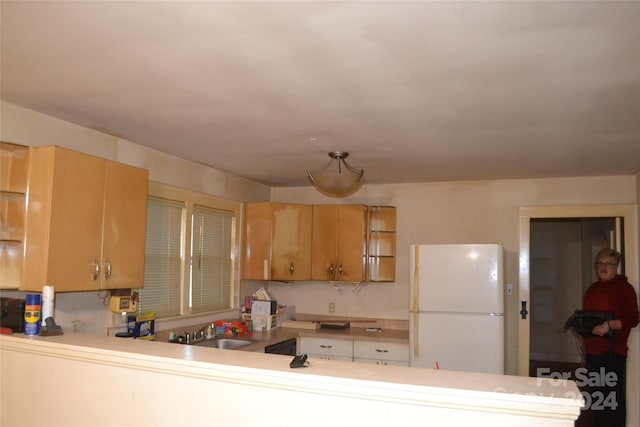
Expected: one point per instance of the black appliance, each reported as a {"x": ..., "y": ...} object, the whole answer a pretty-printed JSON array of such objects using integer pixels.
[
  {"x": 12, "y": 313},
  {"x": 287, "y": 347}
]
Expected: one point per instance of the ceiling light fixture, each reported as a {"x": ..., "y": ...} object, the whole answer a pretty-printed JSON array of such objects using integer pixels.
[{"x": 338, "y": 178}]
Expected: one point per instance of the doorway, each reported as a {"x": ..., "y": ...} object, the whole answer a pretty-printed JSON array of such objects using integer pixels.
[
  {"x": 561, "y": 269},
  {"x": 626, "y": 236},
  {"x": 562, "y": 252}
]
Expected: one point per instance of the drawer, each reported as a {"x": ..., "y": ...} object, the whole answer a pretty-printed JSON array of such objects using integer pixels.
[
  {"x": 327, "y": 346},
  {"x": 381, "y": 350},
  {"x": 382, "y": 362}
]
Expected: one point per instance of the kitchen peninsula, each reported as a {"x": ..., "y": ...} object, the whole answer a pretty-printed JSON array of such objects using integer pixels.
[{"x": 78, "y": 379}]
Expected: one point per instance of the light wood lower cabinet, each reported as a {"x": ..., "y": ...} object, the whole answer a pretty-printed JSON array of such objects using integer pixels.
[
  {"x": 85, "y": 222},
  {"x": 326, "y": 348},
  {"x": 381, "y": 353}
]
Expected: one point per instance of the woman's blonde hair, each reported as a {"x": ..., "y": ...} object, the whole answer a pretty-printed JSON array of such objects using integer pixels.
[{"x": 609, "y": 253}]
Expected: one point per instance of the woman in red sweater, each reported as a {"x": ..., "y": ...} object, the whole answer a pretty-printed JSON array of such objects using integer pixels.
[{"x": 607, "y": 347}]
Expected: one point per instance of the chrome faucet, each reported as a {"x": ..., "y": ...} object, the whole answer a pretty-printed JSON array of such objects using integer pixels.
[{"x": 207, "y": 331}]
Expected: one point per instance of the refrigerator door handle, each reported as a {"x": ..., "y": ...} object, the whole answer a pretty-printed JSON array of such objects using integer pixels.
[
  {"x": 416, "y": 279},
  {"x": 416, "y": 335},
  {"x": 415, "y": 305}
]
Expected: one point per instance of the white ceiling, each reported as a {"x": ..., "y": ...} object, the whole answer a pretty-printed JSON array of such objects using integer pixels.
[{"x": 415, "y": 91}]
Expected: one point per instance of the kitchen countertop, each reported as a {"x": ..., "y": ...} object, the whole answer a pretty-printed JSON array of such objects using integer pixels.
[{"x": 276, "y": 335}]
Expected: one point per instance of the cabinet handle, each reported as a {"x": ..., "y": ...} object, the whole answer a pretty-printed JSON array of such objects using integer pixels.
[
  {"x": 325, "y": 346},
  {"x": 330, "y": 270},
  {"x": 96, "y": 269},
  {"x": 107, "y": 269},
  {"x": 382, "y": 351},
  {"x": 340, "y": 271},
  {"x": 290, "y": 268}
]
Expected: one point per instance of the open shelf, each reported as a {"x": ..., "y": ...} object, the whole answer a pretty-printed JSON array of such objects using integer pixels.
[
  {"x": 381, "y": 249},
  {"x": 14, "y": 178}
]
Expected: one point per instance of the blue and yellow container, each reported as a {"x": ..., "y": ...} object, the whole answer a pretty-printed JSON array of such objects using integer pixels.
[
  {"x": 142, "y": 326},
  {"x": 32, "y": 309}
]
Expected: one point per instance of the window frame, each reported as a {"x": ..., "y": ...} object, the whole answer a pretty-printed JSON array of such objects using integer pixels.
[{"x": 190, "y": 198}]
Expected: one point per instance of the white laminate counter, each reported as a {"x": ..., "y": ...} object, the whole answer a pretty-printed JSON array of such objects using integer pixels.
[
  {"x": 263, "y": 339},
  {"x": 76, "y": 379}
]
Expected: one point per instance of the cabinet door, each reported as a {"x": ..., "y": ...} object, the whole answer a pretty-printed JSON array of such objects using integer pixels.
[
  {"x": 325, "y": 242},
  {"x": 124, "y": 226},
  {"x": 14, "y": 173},
  {"x": 339, "y": 242},
  {"x": 291, "y": 242},
  {"x": 352, "y": 235},
  {"x": 64, "y": 220},
  {"x": 327, "y": 348},
  {"x": 256, "y": 254}
]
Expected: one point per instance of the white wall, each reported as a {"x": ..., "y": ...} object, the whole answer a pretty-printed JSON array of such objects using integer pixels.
[{"x": 26, "y": 127}]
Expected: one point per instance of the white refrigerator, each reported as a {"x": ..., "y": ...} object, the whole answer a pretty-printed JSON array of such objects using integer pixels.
[{"x": 456, "y": 307}]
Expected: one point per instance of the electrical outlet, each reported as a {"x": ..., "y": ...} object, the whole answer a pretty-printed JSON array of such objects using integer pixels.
[
  {"x": 75, "y": 325},
  {"x": 509, "y": 289},
  {"x": 332, "y": 307}
]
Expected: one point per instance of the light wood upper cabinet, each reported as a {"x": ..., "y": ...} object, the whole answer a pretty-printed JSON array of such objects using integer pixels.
[
  {"x": 339, "y": 243},
  {"x": 124, "y": 225},
  {"x": 86, "y": 222},
  {"x": 277, "y": 241},
  {"x": 14, "y": 173}
]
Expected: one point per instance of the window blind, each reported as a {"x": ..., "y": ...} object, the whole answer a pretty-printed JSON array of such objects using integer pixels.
[
  {"x": 163, "y": 261},
  {"x": 211, "y": 252}
]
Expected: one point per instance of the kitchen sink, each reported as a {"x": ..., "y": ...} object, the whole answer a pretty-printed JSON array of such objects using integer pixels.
[{"x": 225, "y": 343}]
